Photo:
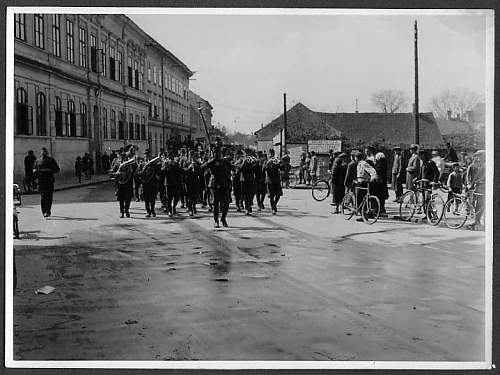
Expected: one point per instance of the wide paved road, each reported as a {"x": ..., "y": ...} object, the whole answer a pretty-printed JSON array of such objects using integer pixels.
[{"x": 302, "y": 285}]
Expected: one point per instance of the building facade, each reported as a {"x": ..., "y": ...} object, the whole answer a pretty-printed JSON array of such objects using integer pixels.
[
  {"x": 198, "y": 129},
  {"x": 92, "y": 84}
]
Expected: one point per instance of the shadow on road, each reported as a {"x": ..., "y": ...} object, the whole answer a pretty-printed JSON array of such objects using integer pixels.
[{"x": 72, "y": 218}]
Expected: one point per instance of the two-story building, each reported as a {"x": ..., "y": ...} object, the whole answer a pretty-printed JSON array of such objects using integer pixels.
[{"x": 89, "y": 83}]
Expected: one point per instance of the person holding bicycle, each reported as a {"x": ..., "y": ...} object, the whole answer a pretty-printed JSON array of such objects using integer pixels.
[
  {"x": 454, "y": 182},
  {"x": 429, "y": 173},
  {"x": 476, "y": 180},
  {"x": 366, "y": 175}
]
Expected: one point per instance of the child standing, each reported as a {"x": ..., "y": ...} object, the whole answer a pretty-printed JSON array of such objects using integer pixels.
[{"x": 455, "y": 182}]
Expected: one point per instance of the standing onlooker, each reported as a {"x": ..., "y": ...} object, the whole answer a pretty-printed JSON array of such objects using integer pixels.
[
  {"x": 44, "y": 170},
  {"x": 455, "y": 181},
  {"x": 476, "y": 179},
  {"x": 429, "y": 172},
  {"x": 351, "y": 172},
  {"x": 313, "y": 167},
  {"x": 439, "y": 161},
  {"x": 79, "y": 168},
  {"x": 285, "y": 172},
  {"x": 308, "y": 172},
  {"x": 302, "y": 169},
  {"x": 339, "y": 168},
  {"x": 29, "y": 163},
  {"x": 370, "y": 155},
  {"x": 397, "y": 174},
  {"x": 451, "y": 154},
  {"x": 382, "y": 192},
  {"x": 413, "y": 168}
]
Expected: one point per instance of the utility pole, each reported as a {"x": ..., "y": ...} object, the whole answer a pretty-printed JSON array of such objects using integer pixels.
[
  {"x": 417, "y": 127},
  {"x": 283, "y": 137}
]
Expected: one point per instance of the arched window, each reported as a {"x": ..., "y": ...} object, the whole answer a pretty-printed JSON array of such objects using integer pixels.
[
  {"x": 83, "y": 119},
  {"x": 24, "y": 120},
  {"x": 137, "y": 128},
  {"x": 143, "y": 128},
  {"x": 41, "y": 114},
  {"x": 130, "y": 126},
  {"x": 59, "y": 117},
  {"x": 105, "y": 123},
  {"x": 113, "y": 124},
  {"x": 121, "y": 125},
  {"x": 71, "y": 119}
]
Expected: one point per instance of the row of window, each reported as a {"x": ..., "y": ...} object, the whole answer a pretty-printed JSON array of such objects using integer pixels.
[
  {"x": 66, "y": 122},
  {"x": 102, "y": 60}
]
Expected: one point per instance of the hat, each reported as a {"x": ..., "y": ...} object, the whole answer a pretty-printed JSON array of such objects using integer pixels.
[
  {"x": 354, "y": 152},
  {"x": 414, "y": 146},
  {"x": 435, "y": 152},
  {"x": 397, "y": 148}
]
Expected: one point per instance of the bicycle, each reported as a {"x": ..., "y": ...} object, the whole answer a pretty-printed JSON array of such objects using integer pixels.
[
  {"x": 461, "y": 209},
  {"x": 293, "y": 179},
  {"x": 369, "y": 206},
  {"x": 432, "y": 205}
]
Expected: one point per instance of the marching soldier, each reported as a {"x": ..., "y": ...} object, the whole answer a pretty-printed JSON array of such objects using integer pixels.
[
  {"x": 191, "y": 182},
  {"x": 220, "y": 185},
  {"x": 183, "y": 162},
  {"x": 260, "y": 180},
  {"x": 238, "y": 162},
  {"x": 272, "y": 170},
  {"x": 149, "y": 175},
  {"x": 173, "y": 183},
  {"x": 123, "y": 174},
  {"x": 247, "y": 180},
  {"x": 44, "y": 170}
]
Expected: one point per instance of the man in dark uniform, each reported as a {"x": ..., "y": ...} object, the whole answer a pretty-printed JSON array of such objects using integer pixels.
[
  {"x": 272, "y": 170},
  {"x": 44, "y": 170},
  {"x": 238, "y": 162},
  {"x": 173, "y": 183},
  {"x": 29, "y": 164},
  {"x": 247, "y": 180},
  {"x": 260, "y": 180},
  {"x": 339, "y": 168},
  {"x": 192, "y": 182},
  {"x": 351, "y": 172},
  {"x": 220, "y": 184},
  {"x": 149, "y": 183},
  {"x": 124, "y": 191},
  {"x": 183, "y": 161},
  {"x": 161, "y": 186}
]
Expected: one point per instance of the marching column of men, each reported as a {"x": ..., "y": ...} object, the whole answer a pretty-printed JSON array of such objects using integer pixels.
[{"x": 193, "y": 178}]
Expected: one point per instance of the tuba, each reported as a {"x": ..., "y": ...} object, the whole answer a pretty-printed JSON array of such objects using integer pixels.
[
  {"x": 148, "y": 172},
  {"x": 125, "y": 171}
]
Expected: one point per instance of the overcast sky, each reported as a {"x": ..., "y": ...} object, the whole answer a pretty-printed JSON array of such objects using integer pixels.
[{"x": 244, "y": 63}]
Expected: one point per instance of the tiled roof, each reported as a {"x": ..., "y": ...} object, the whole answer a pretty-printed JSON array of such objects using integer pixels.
[
  {"x": 364, "y": 128},
  {"x": 454, "y": 127}
]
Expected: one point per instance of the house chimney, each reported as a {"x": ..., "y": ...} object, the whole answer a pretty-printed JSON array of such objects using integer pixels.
[{"x": 448, "y": 114}]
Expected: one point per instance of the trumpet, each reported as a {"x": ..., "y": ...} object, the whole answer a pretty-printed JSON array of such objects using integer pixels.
[
  {"x": 125, "y": 171},
  {"x": 147, "y": 173}
]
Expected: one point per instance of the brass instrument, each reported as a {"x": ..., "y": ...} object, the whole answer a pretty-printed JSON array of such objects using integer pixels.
[
  {"x": 148, "y": 172},
  {"x": 125, "y": 171}
]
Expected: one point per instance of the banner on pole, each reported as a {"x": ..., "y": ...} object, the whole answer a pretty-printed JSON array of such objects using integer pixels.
[{"x": 323, "y": 146}]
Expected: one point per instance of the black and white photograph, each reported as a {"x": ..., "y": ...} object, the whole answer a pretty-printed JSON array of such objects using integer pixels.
[{"x": 249, "y": 188}]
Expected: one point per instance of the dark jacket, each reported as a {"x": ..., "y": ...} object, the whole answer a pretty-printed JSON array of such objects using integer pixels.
[
  {"x": 429, "y": 171},
  {"x": 272, "y": 169},
  {"x": 44, "y": 170},
  {"x": 339, "y": 170},
  {"x": 351, "y": 174}
]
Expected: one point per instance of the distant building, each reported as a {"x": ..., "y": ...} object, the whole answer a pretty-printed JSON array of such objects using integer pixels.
[
  {"x": 466, "y": 132},
  {"x": 196, "y": 122},
  {"x": 93, "y": 83},
  {"x": 354, "y": 129}
]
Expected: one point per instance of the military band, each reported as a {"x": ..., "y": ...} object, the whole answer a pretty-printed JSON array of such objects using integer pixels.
[{"x": 206, "y": 178}]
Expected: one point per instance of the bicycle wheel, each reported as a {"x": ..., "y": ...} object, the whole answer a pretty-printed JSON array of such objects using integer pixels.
[
  {"x": 348, "y": 206},
  {"x": 434, "y": 209},
  {"x": 370, "y": 209},
  {"x": 408, "y": 205},
  {"x": 456, "y": 211},
  {"x": 321, "y": 190},
  {"x": 293, "y": 180}
]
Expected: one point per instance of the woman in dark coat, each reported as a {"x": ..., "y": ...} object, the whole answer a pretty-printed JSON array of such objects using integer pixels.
[
  {"x": 339, "y": 169},
  {"x": 382, "y": 192}
]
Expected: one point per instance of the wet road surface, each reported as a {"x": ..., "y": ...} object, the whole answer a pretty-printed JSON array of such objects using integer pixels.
[{"x": 302, "y": 285}]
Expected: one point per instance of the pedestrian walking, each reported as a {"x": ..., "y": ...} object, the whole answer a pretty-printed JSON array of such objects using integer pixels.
[
  {"x": 272, "y": 170},
  {"x": 123, "y": 175},
  {"x": 247, "y": 180},
  {"x": 413, "y": 168},
  {"x": 339, "y": 169},
  {"x": 260, "y": 180},
  {"x": 397, "y": 174},
  {"x": 44, "y": 170},
  {"x": 79, "y": 168},
  {"x": 191, "y": 182},
  {"x": 29, "y": 179}
]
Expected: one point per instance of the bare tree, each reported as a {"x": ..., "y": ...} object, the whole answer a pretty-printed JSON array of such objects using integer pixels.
[
  {"x": 458, "y": 101},
  {"x": 389, "y": 101}
]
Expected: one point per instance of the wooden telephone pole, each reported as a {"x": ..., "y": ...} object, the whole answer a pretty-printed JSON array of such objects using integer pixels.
[
  {"x": 417, "y": 127},
  {"x": 283, "y": 136}
]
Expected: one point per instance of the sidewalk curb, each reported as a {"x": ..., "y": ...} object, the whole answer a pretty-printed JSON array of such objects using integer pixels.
[{"x": 81, "y": 185}]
